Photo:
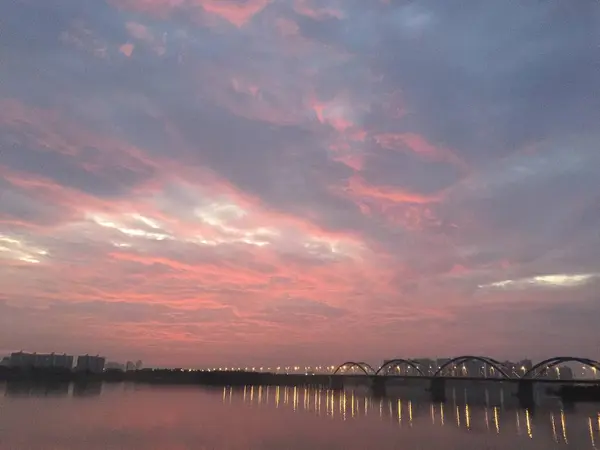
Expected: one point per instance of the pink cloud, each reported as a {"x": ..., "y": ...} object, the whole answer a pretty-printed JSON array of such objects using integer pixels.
[
  {"x": 127, "y": 49},
  {"x": 140, "y": 32},
  {"x": 334, "y": 114},
  {"x": 50, "y": 131},
  {"x": 287, "y": 27},
  {"x": 358, "y": 188},
  {"x": 236, "y": 12},
  {"x": 308, "y": 8},
  {"x": 420, "y": 146}
]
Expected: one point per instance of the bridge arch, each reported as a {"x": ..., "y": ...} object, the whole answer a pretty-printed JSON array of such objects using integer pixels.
[
  {"x": 368, "y": 366},
  {"x": 461, "y": 359},
  {"x": 552, "y": 362},
  {"x": 364, "y": 367},
  {"x": 399, "y": 361}
]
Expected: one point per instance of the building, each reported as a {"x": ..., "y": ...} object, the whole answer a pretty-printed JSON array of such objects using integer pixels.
[
  {"x": 130, "y": 366},
  {"x": 41, "y": 360},
  {"x": 93, "y": 364},
  {"x": 5, "y": 362},
  {"x": 22, "y": 360},
  {"x": 64, "y": 361},
  {"x": 114, "y": 366}
]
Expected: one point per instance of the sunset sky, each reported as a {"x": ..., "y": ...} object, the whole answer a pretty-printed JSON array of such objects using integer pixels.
[{"x": 201, "y": 182}]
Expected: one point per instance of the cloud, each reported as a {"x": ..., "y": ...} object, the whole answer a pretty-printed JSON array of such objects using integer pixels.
[
  {"x": 201, "y": 180},
  {"x": 541, "y": 281},
  {"x": 236, "y": 12},
  {"x": 418, "y": 145},
  {"x": 127, "y": 49},
  {"x": 301, "y": 311}
]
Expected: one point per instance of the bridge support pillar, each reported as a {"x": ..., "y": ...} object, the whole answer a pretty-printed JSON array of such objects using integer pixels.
[
  {"x": 525, "y": 393},
  {"x": 438, "y": 390},
  {"x": 378, "y": 386},
  {"x": 336, "y": 382}
]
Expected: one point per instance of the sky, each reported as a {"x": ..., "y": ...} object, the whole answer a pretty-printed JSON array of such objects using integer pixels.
[{"x": 200, "y": 182}]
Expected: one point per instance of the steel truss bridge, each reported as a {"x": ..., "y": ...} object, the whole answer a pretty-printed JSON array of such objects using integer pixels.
[{"x": 503, "y": 372}]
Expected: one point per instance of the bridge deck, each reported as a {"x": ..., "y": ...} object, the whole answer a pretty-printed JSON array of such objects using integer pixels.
[{"x": 493, "y": 380}]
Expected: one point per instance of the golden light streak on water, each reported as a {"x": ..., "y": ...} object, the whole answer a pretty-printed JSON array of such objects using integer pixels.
[
  {"x": 358, "y": 405},
  {"x": 563, "y": 423},
  {"x": 528, "y": 423},
  {"x": 554, "y": 435},
  {"x": 304, "y": 399},
  {"x": 496, "y": 420},
  {"x": 399, "y": 411},
  {"x": 332, "y": 404},
  {"x": 320, "y": 397},
  {"x": 295, "y": 398}
]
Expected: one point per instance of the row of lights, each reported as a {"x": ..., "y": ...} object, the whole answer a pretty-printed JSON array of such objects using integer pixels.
[
  {"x": 303, "y": 369},
  {"x": 310, "y": 369}
]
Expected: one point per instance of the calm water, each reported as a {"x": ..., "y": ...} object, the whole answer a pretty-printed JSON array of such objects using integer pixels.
[{"x": 166, "y": 418}]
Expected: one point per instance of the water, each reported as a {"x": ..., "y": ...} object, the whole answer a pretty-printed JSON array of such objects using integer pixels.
[{"x": 176, "y": 418}]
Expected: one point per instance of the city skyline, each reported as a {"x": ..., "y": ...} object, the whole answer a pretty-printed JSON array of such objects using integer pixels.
[
  {"x": 214, "y": 182},
  {"x": 556, "y": 368}
]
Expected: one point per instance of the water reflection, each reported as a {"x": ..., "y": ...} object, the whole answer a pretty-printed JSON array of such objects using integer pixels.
[
  {"x": 352, "y": 405},
  {"x": 54, "y": 389},
  {"x": 271, "y": 418}
]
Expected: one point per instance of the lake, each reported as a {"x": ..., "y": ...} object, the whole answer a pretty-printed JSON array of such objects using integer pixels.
[{"x": 126, "y": 416}]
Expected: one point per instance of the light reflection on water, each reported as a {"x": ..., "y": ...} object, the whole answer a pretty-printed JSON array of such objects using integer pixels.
[
  {"x": 125, "y": 416},
  {"x": 346, "y": 405}
]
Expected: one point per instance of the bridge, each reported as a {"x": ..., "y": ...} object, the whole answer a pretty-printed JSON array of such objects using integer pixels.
[
  {"x": 504, "y": 372},
  {"x": 438, "y": 378},
  {"x": 363, "y": 373}
]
